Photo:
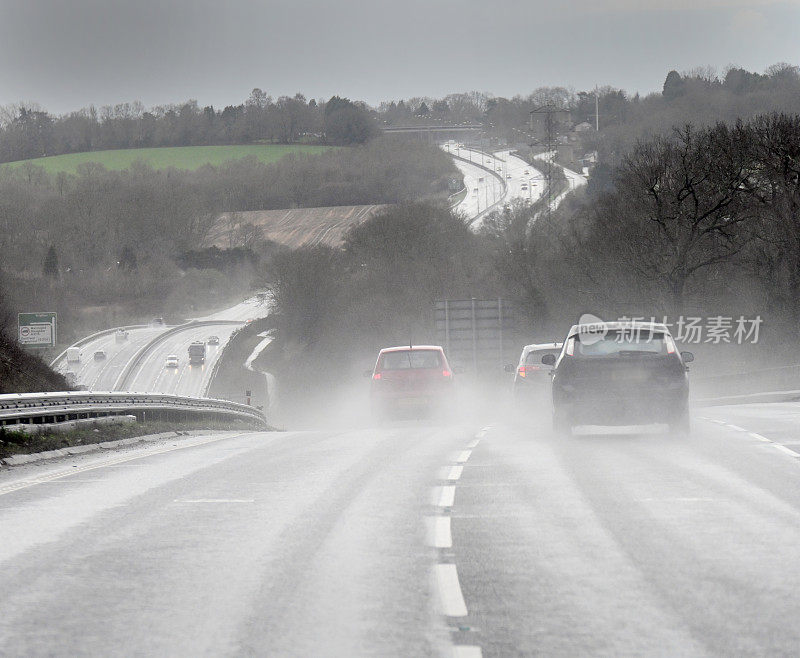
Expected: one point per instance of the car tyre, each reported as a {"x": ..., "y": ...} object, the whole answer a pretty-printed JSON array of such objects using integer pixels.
[
  {"x": 562, "y": 424},
  {"x": 681, "y": 424}
]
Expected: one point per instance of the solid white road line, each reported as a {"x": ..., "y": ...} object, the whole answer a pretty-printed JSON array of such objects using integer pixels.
[
  {"x": 760, "y": 437},
  {"x": 467, "y": 651},
  {"x": 473, "y": 444},
  {"x": 214, "y": 500},
  {"x": 450, "y": 591},
  {"x": 786, "y": 450},
  {"x": 23, "y": 484},
  {"x": 438, "y": 528},
  {"x": 464, "y": 456},
  {"x": 455, "y": 472},
  {"x": 444, "y": 496}
]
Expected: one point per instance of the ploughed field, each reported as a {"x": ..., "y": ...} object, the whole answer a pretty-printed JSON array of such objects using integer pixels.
[{"x": 293, "y": 227}]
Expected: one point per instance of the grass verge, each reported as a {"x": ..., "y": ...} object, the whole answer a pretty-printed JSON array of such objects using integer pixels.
[
  {"x": 19, "y": 443},
  {"x": 179, "y": 157}
]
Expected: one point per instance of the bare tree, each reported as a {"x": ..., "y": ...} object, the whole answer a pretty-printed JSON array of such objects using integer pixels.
[{"x": 680, "y": 206}]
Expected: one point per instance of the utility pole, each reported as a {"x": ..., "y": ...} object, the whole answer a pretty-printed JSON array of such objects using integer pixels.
[
  {"x": 596, "y": 110},
  {"x": 548, "y": 112}
]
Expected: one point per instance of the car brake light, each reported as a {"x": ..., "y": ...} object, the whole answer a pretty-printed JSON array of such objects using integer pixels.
[
  {"x": 570, "y": 349},
  {"x": 446, "y": 373},
  {"x": 377, "y": 375},
  {"x": 670, "y": 344},
  {"x": 524, "y": 370}
]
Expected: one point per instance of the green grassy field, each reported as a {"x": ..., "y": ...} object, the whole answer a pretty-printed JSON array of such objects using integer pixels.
[{"x": 180, "y": 157}]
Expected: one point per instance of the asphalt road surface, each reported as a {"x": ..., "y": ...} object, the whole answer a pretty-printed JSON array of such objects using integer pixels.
[
  {"x": 101, "y": 375},
  {"x": 414, "y": 539},
  {"x": 152, "y": 376},
  {"x": 484, "y": 190}
]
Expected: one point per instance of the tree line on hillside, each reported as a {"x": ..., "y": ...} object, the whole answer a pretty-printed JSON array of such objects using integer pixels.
[
  {"x": 127, "y": 243},
  {"x": 98, "y": 217},
  {"x": 699, "y": 96},
  {"x": 28, "y": 131}
]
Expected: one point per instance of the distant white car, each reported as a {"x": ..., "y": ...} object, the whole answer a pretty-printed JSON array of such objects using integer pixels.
[
  {"x": 120, "y": 335},
  {"x": 508, "y": 176},
  {"x": 99, "y": 355},
  {"x": 172, "y": 361},
  {"x": 213, "y": 340}
]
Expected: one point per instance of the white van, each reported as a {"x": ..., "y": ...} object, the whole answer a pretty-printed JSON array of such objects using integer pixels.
[{"x": 73, "y": 354}]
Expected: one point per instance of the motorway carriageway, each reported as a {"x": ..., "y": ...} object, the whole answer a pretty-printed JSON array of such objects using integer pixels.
[
  {"x": 487, "y": 536},
  {"x": 151, "y": 376},
  {"x": 490, "y": 194}
]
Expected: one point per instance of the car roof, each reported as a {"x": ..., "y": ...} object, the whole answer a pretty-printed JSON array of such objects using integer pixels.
[
  {"x": 406, "y": 348},
  {"x": 634, "y": 324},
  {"x": 542, "y": 346}
]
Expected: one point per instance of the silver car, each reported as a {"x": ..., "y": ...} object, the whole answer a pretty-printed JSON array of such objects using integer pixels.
[{"x": 532, "y": 377}]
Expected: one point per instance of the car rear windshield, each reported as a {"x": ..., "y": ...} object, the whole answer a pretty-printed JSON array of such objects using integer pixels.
[
  {"x": 621, "y": 342},
  {"x": 411, "y": 359},
  {"x": 534, "y": 358}
]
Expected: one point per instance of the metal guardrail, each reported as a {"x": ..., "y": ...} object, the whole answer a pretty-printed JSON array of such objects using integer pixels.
[{"x": 61, "y": 406}]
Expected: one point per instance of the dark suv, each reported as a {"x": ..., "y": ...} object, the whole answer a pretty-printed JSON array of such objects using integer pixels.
[{"x": 614, "y": 373}]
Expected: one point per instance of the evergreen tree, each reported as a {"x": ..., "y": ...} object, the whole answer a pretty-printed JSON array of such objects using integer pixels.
[{"x": 127, "y": 259}]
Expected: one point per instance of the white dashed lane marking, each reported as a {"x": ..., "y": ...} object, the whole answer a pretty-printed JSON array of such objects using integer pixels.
[
  {"x": 439, "y": 535},
  {"x": 463, "y": 456},
  {"x": 455, "y": 472},
  {"x": 444, "y": 496},
  {"x": 450, "y": 596}
]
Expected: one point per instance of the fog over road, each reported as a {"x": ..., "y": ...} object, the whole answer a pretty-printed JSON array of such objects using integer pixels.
[{"x": 388, "y": 540}]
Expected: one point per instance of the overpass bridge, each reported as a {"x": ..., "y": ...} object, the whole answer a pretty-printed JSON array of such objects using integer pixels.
[{"x": 433, "y": 131}]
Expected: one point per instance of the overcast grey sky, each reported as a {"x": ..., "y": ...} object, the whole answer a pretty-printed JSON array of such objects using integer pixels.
[{"x": 66, "y": 54}]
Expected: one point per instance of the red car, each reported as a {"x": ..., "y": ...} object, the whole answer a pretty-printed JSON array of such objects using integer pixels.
[{"x": 410, "y": 378}]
